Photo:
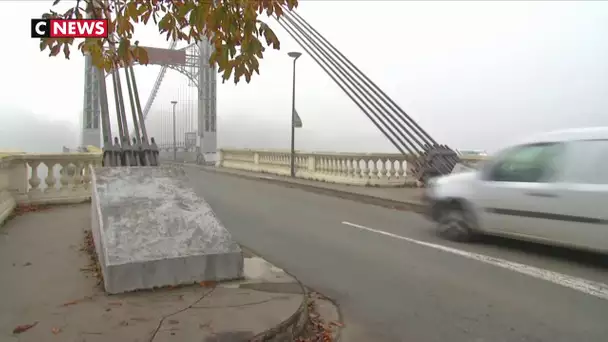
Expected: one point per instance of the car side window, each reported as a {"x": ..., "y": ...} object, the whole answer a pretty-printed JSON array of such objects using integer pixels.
[
  {"x": 528, "y": 163},
  {"x": 587, "y": 162}
]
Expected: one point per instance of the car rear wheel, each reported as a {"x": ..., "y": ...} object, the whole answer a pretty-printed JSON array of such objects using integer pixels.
[{"x": 455, "y": 224}]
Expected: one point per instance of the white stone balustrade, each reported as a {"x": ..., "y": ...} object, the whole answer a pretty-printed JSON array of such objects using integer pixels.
[
  {"x": 33, "y": 179},
  {"x": 363, "y": 169},
  {"x": 7, "y": 202}
]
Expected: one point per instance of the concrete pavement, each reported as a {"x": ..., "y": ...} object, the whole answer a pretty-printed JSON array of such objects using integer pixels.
[
  {"x": 47, "y": 282},
  {"x": 391, "y": 287}
]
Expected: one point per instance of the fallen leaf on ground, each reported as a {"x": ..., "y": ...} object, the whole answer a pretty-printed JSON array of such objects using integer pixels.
[
  {"x": 208, "y": 283},
  {"x": 56, "y": 330},
  {"x": 27, "y": 264},
  {"x": 22, "y": 209},
  {"x": 72, "y": 302},
  {"x": 338, "y": 324},
  {"x": 140, "y": 319},
  {"x": 23, "y": 328},
  {"x": 76, "y": 301},
  {"x": 173, "y": 321}
]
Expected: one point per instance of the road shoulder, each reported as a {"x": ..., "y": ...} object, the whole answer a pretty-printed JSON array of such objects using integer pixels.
[{"x": 408, "y": 199}]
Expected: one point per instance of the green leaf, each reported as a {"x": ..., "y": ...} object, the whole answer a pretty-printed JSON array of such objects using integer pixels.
[
  {"x": 43, "y": 44},
  {"x": 131, "y": 11},
  {"x": 145, "y": 17},
  {"x": 55, "y": 50},
  {"x": 233, "y": 27},
  {"x": 164, "y": 24},
  {"x": 143, "y": 8},
  {"x": 227, "y": 72},
  {"x": 142, "y": 55},
  {"x": 123, "y": 49},
  {"x": 185, "y": 9},
  {"x": 66, "y": 51}
]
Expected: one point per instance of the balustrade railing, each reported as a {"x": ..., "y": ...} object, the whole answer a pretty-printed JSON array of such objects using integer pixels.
[
  {"x": 363, "y": 169},
  {"x": 7, "y": 201},
  {"x": 33, "y": 179}
]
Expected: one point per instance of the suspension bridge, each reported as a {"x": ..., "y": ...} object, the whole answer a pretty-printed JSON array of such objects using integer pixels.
[
  {"x": 184, "y": 120},
  {"x": 394, "y": 280}
]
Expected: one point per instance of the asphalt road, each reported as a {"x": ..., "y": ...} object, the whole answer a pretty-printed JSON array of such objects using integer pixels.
[{"x": 396, "y": 281}]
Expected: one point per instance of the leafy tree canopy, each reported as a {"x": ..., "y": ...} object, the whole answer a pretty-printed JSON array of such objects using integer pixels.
[{"x": 232, "y": 26}]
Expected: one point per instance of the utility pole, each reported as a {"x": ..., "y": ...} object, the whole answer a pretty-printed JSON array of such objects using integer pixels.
[
  {"x": 295, "y": 56},
  {"x": 174, "y": 137}
]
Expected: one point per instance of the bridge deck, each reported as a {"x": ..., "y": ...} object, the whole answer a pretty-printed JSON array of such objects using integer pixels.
[
  {"x": 393, "y": 278},
  {"x": 403, "y": 195},
  {"x": 402, "y": 284}
]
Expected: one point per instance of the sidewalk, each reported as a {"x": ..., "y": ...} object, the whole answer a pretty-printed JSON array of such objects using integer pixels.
[
  {"x": 48, "y": 284},
  {"x": 396, "y": 198}
]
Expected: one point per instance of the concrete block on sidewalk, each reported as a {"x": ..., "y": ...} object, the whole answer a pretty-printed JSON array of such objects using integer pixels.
[{"x": 152, "y": 230}]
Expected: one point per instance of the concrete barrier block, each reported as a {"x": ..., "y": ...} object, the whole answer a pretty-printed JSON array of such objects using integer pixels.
[{"x": 152, "y": 230}]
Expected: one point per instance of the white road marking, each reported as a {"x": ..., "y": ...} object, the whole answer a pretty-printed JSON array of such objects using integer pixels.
[{"x": 596, "y": 289}]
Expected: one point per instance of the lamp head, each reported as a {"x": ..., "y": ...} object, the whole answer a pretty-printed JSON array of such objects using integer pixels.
[
  {"x": 294, "y": 54},
  {"x": 173, "y": 102}
]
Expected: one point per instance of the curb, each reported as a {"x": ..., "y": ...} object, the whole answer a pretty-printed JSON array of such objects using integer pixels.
[
  {"x": 413, "y": 206},
  {"x": 291, "y": 328},
  {"x": 338, "y": 335}
]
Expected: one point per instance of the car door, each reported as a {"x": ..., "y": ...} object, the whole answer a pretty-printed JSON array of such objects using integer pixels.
[
  {"x": 517, "y": 192},
  {"x": 583, "y": 196}
]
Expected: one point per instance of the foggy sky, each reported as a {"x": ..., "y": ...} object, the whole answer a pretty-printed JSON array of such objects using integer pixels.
[{"x": 476, "y": 75}]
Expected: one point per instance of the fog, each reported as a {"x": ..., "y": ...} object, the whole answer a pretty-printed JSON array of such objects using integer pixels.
[
  {"x": 24, "y": 131},
  {"x": 475, "y": 75}
]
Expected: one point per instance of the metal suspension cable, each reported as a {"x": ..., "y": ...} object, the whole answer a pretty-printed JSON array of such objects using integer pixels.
[
  {"x": 350, "y": 93},
  {"x": 123, "y": 111},
  {"x": 178, "y": 116},
  {"x": 422, "y": 137},
  {"x": 187, "y": 111},
  {"x": 103, "y": 103},
  {"x": 142, "y": 118},
  {"x": 167, "y": 116},
  {"x": 133, "y": 110},
  {"x": 163, "y": 118},
  {"x": 161, "y": 135},
  {"x": 121, "y": 133},
  {"x": 420, "y": 144},
  {"x": 190, "y": 124},
  {"x": 374, "y": 88},
  {"x": 390, "y": 120},
  {"x": 442, "y": 159},
  {"x": 157, "y": 84}
]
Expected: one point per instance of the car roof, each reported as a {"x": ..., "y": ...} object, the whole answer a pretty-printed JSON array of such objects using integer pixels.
[{"x": 588, "y": 133}]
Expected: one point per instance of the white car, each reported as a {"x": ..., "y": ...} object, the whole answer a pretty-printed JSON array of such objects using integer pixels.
[{"x": 552, "y": 189}]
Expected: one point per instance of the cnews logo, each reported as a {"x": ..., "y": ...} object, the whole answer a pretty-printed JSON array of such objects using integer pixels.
[{"x": 69, "y": 28}]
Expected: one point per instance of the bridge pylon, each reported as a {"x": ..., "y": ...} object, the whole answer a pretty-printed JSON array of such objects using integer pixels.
[{"x": 91, "y": 132}]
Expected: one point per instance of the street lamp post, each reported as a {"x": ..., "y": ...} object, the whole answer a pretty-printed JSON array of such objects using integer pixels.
[
  {"x": 174, "y": 137},
  {"x": 295, "y": 56}
]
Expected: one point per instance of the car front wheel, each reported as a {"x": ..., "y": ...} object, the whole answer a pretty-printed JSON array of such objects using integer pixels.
[{"x": 455, "y": 224}]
